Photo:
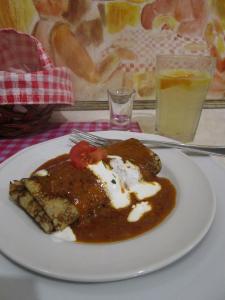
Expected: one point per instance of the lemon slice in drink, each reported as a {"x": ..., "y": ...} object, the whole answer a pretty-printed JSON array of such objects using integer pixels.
[{"x": 175, "y": 77}]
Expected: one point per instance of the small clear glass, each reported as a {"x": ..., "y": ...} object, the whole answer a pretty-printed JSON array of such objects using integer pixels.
[
  {"x": 182, "y": 82},
  {"x": 120, "y": 107}
]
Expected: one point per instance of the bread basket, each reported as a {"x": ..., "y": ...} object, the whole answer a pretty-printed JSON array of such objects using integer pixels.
[{"x": 30, "y": 85}]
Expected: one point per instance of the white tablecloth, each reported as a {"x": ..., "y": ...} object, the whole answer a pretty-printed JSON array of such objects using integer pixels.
[{"x": 199, "y": 275}]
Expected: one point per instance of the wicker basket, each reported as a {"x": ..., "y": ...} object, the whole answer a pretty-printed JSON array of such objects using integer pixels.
[{"x": 18, "y": 120}]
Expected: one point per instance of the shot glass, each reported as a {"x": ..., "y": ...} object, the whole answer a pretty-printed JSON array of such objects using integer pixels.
[
  {"x": 120, "y": 107},
  {"x": 182, "y": 82}
]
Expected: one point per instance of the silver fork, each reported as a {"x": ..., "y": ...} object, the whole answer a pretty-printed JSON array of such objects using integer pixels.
[{"x": 97, "y": 141}]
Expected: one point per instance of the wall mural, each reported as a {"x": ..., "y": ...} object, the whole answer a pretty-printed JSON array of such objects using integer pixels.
[{"x": 114, "y": 43}]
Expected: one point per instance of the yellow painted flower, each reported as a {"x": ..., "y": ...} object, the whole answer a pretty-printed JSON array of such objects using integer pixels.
[
  {"x": 219, "y": 7},
  {"x": 160, "y": 21},
  {"x": 121, "y": 14},
  {"x": 19, "y": 15},
  {"x": 220, "y": 45}
]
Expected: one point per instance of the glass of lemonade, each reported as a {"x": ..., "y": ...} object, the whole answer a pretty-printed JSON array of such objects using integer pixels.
[{"x": 182, "y": 82}]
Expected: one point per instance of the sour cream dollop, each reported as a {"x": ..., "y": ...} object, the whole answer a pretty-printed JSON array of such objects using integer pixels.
[
  {"x": 120, "y": 179},
  {"x": 66, "y": 235}
]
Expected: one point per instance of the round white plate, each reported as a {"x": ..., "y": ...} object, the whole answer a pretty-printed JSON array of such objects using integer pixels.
[{"x": 23, "y": 242}]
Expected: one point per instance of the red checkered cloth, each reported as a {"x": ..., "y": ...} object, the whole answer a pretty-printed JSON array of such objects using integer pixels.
[
  {"x": 8, "y": 147},
  {"x": 27, "y": 75}
]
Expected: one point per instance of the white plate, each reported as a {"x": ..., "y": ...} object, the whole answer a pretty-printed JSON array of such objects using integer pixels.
[{"x": 23, "y": 242}]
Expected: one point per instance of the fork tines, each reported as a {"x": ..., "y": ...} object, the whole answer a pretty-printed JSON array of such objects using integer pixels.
[{"x": 77, "y": 136}]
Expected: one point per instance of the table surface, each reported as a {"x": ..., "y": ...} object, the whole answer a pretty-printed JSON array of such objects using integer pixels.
[
  {"x": 199, "y": 275},
  {"x": 211, "y": 129}
]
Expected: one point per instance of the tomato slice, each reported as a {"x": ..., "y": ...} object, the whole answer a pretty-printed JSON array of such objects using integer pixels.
[
  {"x": 79, "y": 154},
  {"x": 84, "y": 153}
]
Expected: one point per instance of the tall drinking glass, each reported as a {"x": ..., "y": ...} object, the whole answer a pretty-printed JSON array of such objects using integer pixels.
[{"x": 182, "y": 83}]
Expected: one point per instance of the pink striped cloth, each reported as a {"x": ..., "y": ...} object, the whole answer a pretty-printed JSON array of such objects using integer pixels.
[{"x": 8, "y": 147}]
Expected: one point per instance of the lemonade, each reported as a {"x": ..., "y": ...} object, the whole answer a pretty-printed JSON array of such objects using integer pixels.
[{"x": 180, "y": 97}]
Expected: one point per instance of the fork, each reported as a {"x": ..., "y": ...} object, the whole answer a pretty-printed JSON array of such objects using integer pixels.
[{"x": 97, "y": 141}]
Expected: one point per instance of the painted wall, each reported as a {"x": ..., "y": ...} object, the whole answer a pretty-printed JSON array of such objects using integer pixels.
[{"x": 114, "y": 43}]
